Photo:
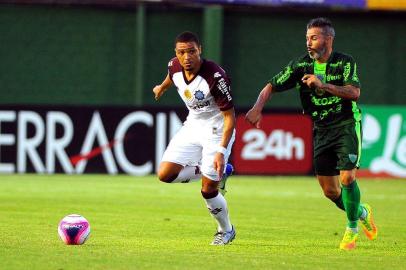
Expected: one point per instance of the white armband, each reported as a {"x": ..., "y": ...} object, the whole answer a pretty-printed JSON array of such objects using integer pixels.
[{"x": 222, "y": 150}]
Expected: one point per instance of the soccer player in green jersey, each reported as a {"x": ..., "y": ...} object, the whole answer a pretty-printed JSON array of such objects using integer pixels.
[{"x": 329, "y": 88}]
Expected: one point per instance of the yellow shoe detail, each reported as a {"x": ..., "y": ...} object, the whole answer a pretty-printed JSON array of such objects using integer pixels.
[
  {"x": 348, "y": 242},
  {"x": 368, "y": 224}
]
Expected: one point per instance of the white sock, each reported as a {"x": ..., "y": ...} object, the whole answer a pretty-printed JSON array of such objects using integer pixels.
[
  {"x": 364, "y": 213},
  {"x": 217, "y": 207},
  {"x": 355, "y": 230},
  {"x": 188, "y": 174}
]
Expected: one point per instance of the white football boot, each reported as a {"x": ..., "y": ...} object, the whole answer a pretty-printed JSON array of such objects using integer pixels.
[{"x": 223, "y": 238}]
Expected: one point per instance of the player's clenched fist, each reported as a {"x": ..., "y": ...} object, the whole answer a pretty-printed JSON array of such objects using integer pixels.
[
  {"x": 254, "y": 117},
  {"x": 158, "y": 91},
  {"x": 312, "y": 81}
]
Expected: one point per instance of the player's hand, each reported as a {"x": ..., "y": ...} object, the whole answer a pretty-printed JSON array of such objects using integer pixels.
[
  {"x": 219, "y": 164},
  {"x": 312, "y": 81},
  {"x": 158, "y": 91},
  {"x": 254, "y": 117}
]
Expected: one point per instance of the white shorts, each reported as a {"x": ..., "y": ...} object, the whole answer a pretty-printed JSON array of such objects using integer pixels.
[{"x": 197, "y": 145}]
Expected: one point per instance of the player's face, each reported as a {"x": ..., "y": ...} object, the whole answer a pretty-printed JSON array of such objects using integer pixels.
[
  {"x": 316, "y": 42},
  {"x": 188, "y": 54}
]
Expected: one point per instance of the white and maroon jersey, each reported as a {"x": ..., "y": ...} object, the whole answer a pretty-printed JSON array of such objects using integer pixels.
[{"x": 207, "y": 94}]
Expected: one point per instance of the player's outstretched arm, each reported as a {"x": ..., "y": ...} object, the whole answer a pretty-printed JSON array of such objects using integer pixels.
[
  {"x": 254, "y": 115},
  {"x": 228, "y": 129},
  {"x": 159, "y": 90}
]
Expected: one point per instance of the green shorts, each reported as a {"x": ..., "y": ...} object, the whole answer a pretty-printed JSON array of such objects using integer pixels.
[{"x": 336, "y": 149}]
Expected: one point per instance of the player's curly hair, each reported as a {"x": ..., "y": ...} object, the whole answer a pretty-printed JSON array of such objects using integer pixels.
[
  {"x": 323, "y": 23},
  {"x": 187, "y": 36}
]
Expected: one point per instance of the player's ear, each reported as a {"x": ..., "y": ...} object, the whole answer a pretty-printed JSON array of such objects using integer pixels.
[
  {"x": 330, "y": 39},
  {"x": 200, "y": 49}
]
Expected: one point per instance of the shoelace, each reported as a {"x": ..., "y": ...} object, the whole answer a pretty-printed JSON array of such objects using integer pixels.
[
  {"x": 218, "y": 239},
  {"x": 348, "y": 235},
  {"x": 366, "y": 222}
]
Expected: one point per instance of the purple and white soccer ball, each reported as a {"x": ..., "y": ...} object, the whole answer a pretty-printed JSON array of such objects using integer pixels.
[{"x": 74, "y": 229}]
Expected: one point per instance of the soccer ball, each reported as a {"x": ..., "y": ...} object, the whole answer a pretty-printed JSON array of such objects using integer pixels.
[{"x": 74, "y": 229}]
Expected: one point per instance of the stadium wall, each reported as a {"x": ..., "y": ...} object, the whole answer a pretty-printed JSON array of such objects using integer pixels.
[{"x": 90, "y": 55}]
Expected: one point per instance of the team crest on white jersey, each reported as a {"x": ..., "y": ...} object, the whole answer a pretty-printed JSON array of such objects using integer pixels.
[
  {"x": 187, "y": 94},
  {"x": 217, "y": 74},
  {"x": 199, "y": 95}
]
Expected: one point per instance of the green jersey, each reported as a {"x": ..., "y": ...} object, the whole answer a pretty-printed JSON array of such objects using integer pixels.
[{"x": 325, "y": 109}]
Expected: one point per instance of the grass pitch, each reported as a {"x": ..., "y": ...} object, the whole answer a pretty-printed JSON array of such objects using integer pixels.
[{"x": 139, "y": 223}]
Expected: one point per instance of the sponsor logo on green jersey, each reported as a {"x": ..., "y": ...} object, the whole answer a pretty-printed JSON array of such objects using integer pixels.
[
  {"x": 335, "y": 65},
  {"x": 285, "y": 75},
  {"x": 355, "y": 76},
  {"x": 333, "y": 77},
  {"x": 304, "y": 64},
  {"x": 325, "y": 101},
  {"x": 347, "y": 70}
]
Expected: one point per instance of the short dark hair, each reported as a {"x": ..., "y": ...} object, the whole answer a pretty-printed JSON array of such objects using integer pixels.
[
  {"x": 187, "y": 36},
  {"x": 323, "y": 23}
]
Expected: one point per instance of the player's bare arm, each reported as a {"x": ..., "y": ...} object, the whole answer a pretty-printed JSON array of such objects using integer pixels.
[
  {"x": 228, "y": 129},
  {"x": 346, "y": 91},
  {"x": 254, "y": 115},
  {"x": 159, "y": 90}
]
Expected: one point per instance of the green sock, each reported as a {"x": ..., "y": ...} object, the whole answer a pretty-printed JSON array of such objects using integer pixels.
[
  {"x": 339, "y": 201},
  {"x": 351, "y": 198}
]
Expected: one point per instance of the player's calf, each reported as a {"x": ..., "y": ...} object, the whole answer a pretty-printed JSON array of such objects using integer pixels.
[{"x": 175, "y": 173}]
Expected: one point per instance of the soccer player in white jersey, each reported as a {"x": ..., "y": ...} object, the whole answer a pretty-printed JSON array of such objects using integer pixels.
[{"x": 202, "y": 146}]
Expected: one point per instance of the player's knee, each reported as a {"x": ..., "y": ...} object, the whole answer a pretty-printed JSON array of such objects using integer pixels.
[
  {"x": 209, "y": 194},
  {"x": 347, "y": 178},
  {"x": 166, "y": 177},
  {"x": 209, "y": 188}
]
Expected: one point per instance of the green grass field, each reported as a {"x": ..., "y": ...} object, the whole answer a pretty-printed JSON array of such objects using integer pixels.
[{"x": 139, "y": 223}]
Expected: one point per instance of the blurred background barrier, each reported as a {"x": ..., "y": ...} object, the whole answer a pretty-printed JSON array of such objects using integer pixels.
[
  {"x": 283, "y": 145},
  {"x": 131, "y": 140},
  {"x": 79, "y": 139},
  {"x": 384, "y": 141},
  {"x": 387, "y": 4},
  {"x": 310, "y": 3},
  {"x": 346, "y": 4},
  {"x": 81, "y": 67}
]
